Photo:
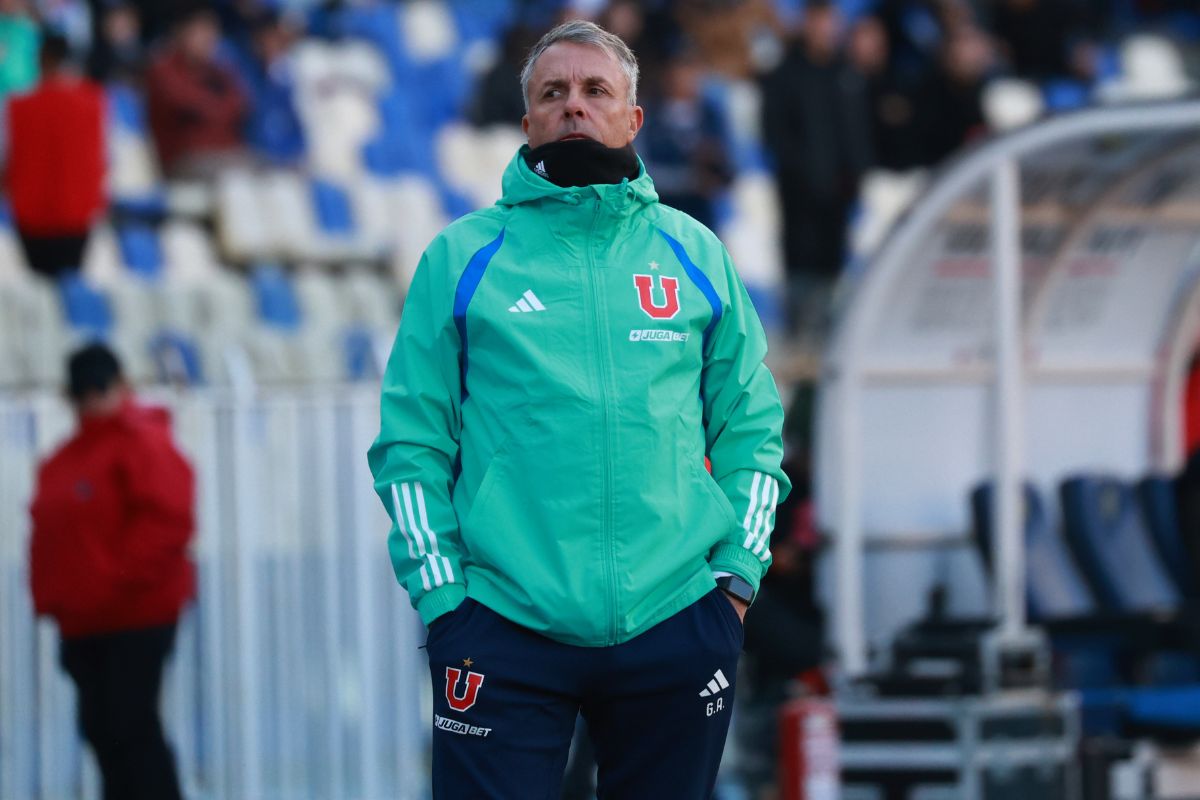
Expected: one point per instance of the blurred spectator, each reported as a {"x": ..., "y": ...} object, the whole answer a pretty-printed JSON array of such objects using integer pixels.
[
  {"x": 18, "y": 47},
  {"x": 154, "y": 17},
  {"x": 895, "y": 139},
  {"x": 56, "y": 166},
  {"x": 112, "y": 518},
  {"x": 197, "y": 106},
  {"x": 816, "y": 125},
  {"x": 913, "y": 33},
  {"x": 498, "y": 99},
  {"x": 1037, "y": 36},
  {"x": 118, "y": 53},
  {"x": 951, "y": 103},
  {"x": 681, "y": 142},
  {"x": 273, "y": 128}
]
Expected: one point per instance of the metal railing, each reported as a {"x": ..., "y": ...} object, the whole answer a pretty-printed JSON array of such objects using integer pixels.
[{"x": 297, "y": 672}]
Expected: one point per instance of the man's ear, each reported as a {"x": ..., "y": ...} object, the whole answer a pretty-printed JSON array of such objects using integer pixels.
[
  {"x": 525, "y": 125},
  {"x": 636, "y": 118}
]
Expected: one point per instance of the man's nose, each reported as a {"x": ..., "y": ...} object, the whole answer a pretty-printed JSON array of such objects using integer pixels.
[{"x": 574, "y": 105}]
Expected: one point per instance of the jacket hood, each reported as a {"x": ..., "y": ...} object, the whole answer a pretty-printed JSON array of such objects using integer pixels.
[{"x": 523, "y": 185}]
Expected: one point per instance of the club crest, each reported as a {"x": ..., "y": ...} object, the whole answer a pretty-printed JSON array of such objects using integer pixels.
[
  {"x": 668, "y": 290},
  {"x": 470, "y": 693}
]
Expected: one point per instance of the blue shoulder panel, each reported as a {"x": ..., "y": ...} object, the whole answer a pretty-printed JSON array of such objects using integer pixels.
[
  {"x": 467, "y": 284},
  {"x": 700, "y": 279}
]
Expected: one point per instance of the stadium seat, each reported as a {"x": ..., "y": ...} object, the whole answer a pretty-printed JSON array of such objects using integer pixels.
[
  {"x": 1053, "y": 583},
  {"x": 1010, "y": 103},
  {"x": 276, "y": 298},
  {"x": 242, "y": 217},
  {"x": 1157, "y": 502},
  {"x": 429, "y": 29},
  {"x": 85, "y": 308},
  {"x": 140, "y": 249},
  {"x": 334, "y": 212},
  {"x": 1114, "y": 548}
]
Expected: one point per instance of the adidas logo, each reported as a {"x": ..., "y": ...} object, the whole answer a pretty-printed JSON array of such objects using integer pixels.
[
  {"x": 716, "y": 685},
  {"x": 540, "y": 169},
  {"x": 528, "y": 302}
]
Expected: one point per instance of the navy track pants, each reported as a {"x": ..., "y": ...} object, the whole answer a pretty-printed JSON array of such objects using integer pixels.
[{"x": 505, "y": 701}]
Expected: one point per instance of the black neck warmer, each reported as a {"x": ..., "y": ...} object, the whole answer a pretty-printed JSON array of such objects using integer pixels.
[{"x": 582, "y": 162}]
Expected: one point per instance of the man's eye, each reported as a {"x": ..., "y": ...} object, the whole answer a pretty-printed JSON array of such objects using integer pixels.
[{"x": 552, "y": 93}]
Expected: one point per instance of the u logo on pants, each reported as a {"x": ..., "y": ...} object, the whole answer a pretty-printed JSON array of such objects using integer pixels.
[
  {"x": 474, "y": 681},
  {"x": 657, "y": 707}
]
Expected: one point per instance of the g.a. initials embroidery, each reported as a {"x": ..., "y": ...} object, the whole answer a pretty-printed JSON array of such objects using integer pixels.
[
  {"x": 474, "y": 681},
  {"x": 670, "y": 291}
]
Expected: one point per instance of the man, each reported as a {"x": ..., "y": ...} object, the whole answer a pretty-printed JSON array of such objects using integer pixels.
[
  {"x": 56, "y": 163},
  {"x": 816, "y": 125},
  {"x": 112, "y": 518},
  {"x": 196, "y": 103},
  {"x": 566, "y": 361}
]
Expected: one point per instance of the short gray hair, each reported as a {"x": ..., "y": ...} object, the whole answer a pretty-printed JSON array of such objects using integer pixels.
[{"x": 580, "y": 31}]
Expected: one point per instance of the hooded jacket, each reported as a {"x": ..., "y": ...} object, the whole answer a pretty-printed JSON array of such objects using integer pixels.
[
  {"x": 113, "y": 514},
  {"x": 565, "y": 362}
]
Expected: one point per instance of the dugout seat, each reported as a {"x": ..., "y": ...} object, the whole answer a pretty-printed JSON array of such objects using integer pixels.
[
  {"x": 1160, "y": 512},
  {"x": 1055, "y": 587},
  {"x": 1114, "y": 548}
]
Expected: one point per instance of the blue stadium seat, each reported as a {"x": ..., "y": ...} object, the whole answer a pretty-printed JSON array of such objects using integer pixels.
[
  {"x": 1113, "y": 547},
  {"x": 86, "y": 309},
  {"x": 177, "y": 358},
  {"x": 140, "y": 249},
  {"x": 1054, "y": 587},
  {"x": 483, "y": 19},
  {"x": 1156, "y": 496},
  {"x": 127, "y": 108},
  {"x": 359, "y": 351},
  {"x": 1065, "y": 94},
  {"x": 331, "y": 203},
  {"x": 276, "y": 298}
]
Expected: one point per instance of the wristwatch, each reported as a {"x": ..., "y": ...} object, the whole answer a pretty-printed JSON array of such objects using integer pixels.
[{"x": 736, "y": 587}]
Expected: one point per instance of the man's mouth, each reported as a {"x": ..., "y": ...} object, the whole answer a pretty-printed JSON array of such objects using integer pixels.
[{"x": 572, "y": 136}]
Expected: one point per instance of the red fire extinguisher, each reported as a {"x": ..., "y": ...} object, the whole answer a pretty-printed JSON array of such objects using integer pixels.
[{"x": 808, "y": 750}]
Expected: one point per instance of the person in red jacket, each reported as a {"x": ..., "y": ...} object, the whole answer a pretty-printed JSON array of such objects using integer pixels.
[
  {"x": 56, "y": 162},
  {"x": 113, "y": 515},
  {"x": 197, "y": 105}
]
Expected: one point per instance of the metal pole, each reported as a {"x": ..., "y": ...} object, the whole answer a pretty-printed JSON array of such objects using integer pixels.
[
  {"x": 848, "y": 614},
  {"x": 1009, "y": 544}
]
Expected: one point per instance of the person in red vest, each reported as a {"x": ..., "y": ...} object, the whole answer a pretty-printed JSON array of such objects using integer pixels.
[
  {"x": 113, "y": 515},
  {"x": 56, "y": 162}
]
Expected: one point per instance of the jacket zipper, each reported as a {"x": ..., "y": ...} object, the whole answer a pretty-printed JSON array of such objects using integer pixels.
[{"x": 606, "y": 406}]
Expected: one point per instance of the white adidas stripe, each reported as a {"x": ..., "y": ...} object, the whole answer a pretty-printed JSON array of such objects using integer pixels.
[
  {"x": 421, "y": 539},
  {"x": 400, "y": 523},
  {"x": 433, "y": 542},
  {"x": 750, "y": 506},
  {"x": 533, "y": 301},
  {"x": 764, "y": 523},
  {"x": 720, "y": 676}
]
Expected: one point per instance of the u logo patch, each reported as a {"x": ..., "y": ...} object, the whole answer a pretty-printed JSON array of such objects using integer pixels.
[
  {"x": 474, "y": 681},
  {"x": 646, "y": 298}
]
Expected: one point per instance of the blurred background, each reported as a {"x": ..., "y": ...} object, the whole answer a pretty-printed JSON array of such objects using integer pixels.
[{"x": 970, "y": 228}]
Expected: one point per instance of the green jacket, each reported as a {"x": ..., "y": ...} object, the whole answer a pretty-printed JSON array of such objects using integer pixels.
[{"x": 565, "y": 361}]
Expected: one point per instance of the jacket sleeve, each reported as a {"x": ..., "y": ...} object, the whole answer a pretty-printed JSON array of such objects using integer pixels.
[
  {"x": 743, "y": 423},
  {"x": 160, "y": 497},
  {"x": 413, "y": 459}
]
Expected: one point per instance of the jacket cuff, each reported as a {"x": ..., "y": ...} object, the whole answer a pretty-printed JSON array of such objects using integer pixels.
[
  {"x": 737, "y": 560},
  {"x": 441, "y": 600}
]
